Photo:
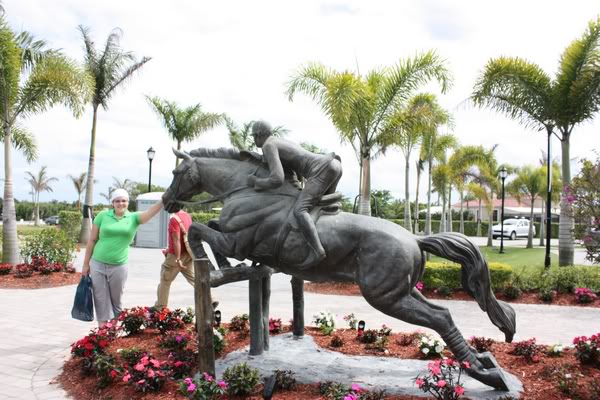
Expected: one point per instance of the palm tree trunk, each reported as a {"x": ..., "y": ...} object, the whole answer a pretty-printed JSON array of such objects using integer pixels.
[
  {"x": 417, "y": 201},
  {"x": 449, "y": 224},
  {"x": 428, "y": 215},
  {"x": 407, "y": 218},
  {"x": 86, "y": 223},
  {"x": 530, "y": 234},
  {"x": 566, "y": 245},
  {"x": 490, "y": 243},
  {"x": 542, "y": 223},
  {"x": 443, "y": 218},
  {"x": 179, "y": 149},
  {"x": 36, "y": 222},
  {"x": 462, "y": 217},
  {"x": 479, "y": 211},
  {"x": 10, "y": 244},
  {"x": 364, "y": 204}
]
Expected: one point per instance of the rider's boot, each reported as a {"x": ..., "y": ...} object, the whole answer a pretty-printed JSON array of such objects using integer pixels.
[{"x": 309, "y": 231}]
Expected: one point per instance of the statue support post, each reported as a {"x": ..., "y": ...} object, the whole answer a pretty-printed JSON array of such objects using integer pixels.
[
  {"x": 204, "y": 316},
  {"x": 298, "y": 300},
  {"x": 257, "y": 343}
]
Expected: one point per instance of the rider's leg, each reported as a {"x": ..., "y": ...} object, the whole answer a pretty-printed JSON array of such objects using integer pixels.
[
  {"x": 309, "y": 196},
  {"x": 333, "y": 174}
]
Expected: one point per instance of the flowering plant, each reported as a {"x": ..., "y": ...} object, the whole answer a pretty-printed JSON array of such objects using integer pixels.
[
  {"x": 528, "y": 349},
  {"x": 274, "y": 325},
  {"x": 94, "y": 343},
  {"x": 351, "y": 320},
  {"x": 186, "y": 316},
  {"x": 202, "y": 387},
  {"x": 420, "y": 286},
  {"x": 38, "y": 263},
  {"x": 481, "y": 343},
  {"x": 146, "y": 375},
  {"x": 57, "y": 267},
  {"x": 556, "y": 350},
  {"x": 45, "y": 269},
  {"x": 133, "y": 320},
  {"x": 587, "y": 350},
  {"x": 585, "y": 295},
  {"x": 325, "y": 321},
  {"x": 70, "y": 269},
  {"x": 443, "y": 379},
  {"x": 241, "y": 324},
  {"x": 180, "y": 363},
  {"x": 431, "y": 346},
  {"x": 174, "y": 341},
  {"x": 218, "y": 339},
  {"x": 23, "y": 270},
  {"x": 5, "y": 269},
  {"x": 165, "y": 320}
]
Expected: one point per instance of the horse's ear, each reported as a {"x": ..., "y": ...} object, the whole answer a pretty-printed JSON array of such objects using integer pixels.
[{"x": 181, "y": 154}]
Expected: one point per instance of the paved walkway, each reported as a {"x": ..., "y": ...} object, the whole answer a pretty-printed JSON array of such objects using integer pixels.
[{"x": 37, "y": 329}]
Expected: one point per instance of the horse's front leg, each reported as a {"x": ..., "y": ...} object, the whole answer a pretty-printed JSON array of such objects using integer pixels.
[{"x": 218, "y": 242}]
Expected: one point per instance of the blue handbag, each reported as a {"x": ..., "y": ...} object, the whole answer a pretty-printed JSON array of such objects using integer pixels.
[{"x": 83, "y": 306}]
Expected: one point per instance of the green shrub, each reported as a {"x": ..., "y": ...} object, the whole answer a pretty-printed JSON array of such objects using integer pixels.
[
  {"x": 203, "y": 218},
  {"x": 52, "y": 244},
  {"x": 440, "y": 274},
  {"x": 70, "y": 223},
  {"x": 241, "y": 379},
  {"x": 512, "y": 292}
]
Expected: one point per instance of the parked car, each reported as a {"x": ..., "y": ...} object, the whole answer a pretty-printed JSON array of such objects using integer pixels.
[
  {"x": 513, "y": 228},
  {"x": 53, "y": 220}
]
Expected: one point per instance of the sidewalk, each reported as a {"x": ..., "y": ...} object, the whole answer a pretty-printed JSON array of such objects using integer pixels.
[{"x": 37, "y": 329}]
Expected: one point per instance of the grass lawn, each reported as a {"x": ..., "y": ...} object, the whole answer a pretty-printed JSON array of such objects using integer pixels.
[
  {"x": 517, "y": 257},
  {"x": 27, "y": 230}
]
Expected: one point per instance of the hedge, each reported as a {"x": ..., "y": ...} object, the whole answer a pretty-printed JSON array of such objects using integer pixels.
[
  {"x": 70, "y": 223},
  {"x": 203, "y": 218},
  {"x": 439, "y": 274},
  {"x": 561, "y": 279}
]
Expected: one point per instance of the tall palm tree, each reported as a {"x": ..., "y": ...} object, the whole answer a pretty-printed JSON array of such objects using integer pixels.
[
  {"x": 39, "y": 182},
  {"x": 110, "y": 69},
  {"x": 524, "y": 92},
  {"x": 184, "y": 124},
  {"x": 108, "y": 194},
  {"x": 79, "y": 185},
  {"x": 529, "y": 184},
  {"x": 360, "y": 106},
  {"x": 420, "y": 165},
  {"x": 32, "y": 80},
  {"x": 433, "y": 147},
  {"x": 241, "y": 137},
  {"x": 555, "y": 190},
  {"x": 126, "y": 184}
]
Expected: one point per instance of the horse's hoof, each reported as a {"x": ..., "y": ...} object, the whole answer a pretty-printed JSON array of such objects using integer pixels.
[{"x": 493, "y": 377}]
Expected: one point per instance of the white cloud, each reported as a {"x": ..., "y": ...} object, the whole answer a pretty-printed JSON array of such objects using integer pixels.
[{"x": 236, "y": 56}]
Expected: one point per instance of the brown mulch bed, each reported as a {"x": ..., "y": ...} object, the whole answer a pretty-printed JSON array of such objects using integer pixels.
[
  {"x": 39, "y": 281},
  {"x": 540, "y": 379},
  {"x": 351, "y": 289}
]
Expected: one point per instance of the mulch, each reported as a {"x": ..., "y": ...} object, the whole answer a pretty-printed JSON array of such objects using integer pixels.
[
  {"x": 541, "y": 380},
  {"x": 39, "y": 281},
  {"x": 351, "y": 289}
]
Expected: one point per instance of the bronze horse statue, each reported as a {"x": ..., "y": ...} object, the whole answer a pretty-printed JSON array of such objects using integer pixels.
[{"x": 383, "y": 258}]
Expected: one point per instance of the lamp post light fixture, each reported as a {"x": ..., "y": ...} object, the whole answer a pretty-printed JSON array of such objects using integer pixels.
[
  {"x": 503, "y": 175},
  {"x": 361, "y": 328},
  {"x": 217, "y": 318},
  {"x": 151, "y": 152}
]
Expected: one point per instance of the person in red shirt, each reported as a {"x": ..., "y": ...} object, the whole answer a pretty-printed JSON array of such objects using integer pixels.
[{"x": 177, "y": 258}]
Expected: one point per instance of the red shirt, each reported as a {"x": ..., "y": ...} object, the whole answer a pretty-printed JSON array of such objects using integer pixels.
[{"x": 174, "y": 227}]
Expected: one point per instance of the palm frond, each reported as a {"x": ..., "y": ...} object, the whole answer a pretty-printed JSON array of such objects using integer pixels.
[
  {"x": 24, "y": 141},
  {"x": 32, "y": 51}
]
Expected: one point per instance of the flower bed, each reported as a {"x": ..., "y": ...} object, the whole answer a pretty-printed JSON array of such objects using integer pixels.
[{"x": 135, "y": 366}]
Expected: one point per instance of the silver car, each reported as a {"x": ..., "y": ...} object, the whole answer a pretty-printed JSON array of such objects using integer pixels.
[{"x": 513, "y": 228}]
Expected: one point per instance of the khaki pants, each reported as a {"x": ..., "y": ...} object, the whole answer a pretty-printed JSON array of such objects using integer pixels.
[{"x": 168, "y": 272}]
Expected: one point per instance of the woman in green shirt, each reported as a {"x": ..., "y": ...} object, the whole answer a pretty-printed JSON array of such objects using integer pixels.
[{"x": 107, "y": 253}]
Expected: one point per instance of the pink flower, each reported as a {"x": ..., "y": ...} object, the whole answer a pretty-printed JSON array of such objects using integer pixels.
[
  {"x": 191, "y": 387},
  {"x": 449, "y": 362},
  {"x": 155, "y": 363},
  {"x": 178, "y": 364},
  {"x": 126, "y": 378},
  {"x": 441, "y": 383},
  {"x": 222, "y": 384},
  {"x": 144, "y": 360},
  {"x": 350, "y": 397},
  {"x": 141, "y": 381},
  {"x": 187, "y": 381},
  {"x": 466, "y": 365},
  {"x": 420, "y": 286},
  {"x": 436, "y": 370},
  {"x": 419, "y": 382},
  {"x": 150, "y": 373},
  {"x": 459, "y": 390},
  {"x": 356, "y": 388},
  {"x": 207, "y": 377},
  {"x": 139, "y": 367},
  {"x": 178, "y": 338}
]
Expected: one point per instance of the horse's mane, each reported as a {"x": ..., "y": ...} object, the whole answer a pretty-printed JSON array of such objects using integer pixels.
[{"x": 228, "y": 153}]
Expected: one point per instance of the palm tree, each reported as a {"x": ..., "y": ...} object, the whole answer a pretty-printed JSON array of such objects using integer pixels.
[
  {"x": 79, "y": 185},
  {"x": 420, "y": 165},
  {"x": 360, "y": 107},
  {"x": 529, "y": 183},
  {"x": 126, "y": 184},
  {"x": 39, "y": 182},
  {"x": 32, "y": 80},
  {"x": 556, "y": 184},
  {"x": 241, "y": 138},
  {"x": 184, "y": 124},
  {"x": 109, "y": 69},
  {"x": 433, "y": 147},
  {"x": 524, "y": 92},
  {"x": 109, "y": 193}
]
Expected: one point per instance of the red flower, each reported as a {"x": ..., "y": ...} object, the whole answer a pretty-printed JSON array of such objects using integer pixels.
[
  {"x": 113, "y": 374},
  {"x": 459, "y": 390}
]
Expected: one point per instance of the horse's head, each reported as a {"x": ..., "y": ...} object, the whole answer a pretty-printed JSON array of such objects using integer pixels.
[{"x": 184, "y": 184}]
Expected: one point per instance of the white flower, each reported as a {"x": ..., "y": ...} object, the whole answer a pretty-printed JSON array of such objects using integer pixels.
[
  {"x": 425, "y": 350},
  {"x": 217, "y": 334},
  {"x": 568, "y": 376},
  {"x": 438, "y": 349}
]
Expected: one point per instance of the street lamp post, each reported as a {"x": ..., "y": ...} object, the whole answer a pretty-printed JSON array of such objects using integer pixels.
[
  {"x": 503, "y": 175},
  {"x": 151, "y": 154}
]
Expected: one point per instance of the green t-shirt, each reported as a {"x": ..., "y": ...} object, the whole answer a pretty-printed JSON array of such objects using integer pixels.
[{"x": 115, "y": 236}]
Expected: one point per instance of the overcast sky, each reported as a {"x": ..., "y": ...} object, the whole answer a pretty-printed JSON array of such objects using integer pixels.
[{"x": 236, "y": 57}]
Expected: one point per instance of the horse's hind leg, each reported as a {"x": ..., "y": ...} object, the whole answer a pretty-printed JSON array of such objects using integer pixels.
[{"x": 416, "y": 311}]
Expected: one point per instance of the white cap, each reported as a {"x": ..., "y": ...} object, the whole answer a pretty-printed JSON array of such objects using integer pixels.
[{"x": 119, "y": 193}]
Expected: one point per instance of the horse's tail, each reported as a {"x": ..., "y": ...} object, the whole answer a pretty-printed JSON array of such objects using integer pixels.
[{"x": 475, "y": 276}]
